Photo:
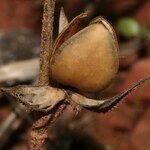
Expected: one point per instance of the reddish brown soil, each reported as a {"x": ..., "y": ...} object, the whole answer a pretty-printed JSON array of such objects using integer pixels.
[{"x": 19, "y": 14}]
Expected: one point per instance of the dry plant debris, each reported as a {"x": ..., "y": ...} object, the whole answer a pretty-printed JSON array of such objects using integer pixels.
[{"x": 87, "y": 60}]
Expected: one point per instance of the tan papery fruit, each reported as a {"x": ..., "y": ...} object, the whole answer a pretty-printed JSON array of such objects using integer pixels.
[{"x": 89, "y": 59}]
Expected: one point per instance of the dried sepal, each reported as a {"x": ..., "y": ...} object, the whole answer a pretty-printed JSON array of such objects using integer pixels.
[
  {"x": 106, "y": 104},
  {"x": 108, "y": 26},
  {"x": 69, "y": 30},
  {"x": 63, "y": 21},
  {"x": 89, "y": 59},
  {"x": 40, "y": 98}
]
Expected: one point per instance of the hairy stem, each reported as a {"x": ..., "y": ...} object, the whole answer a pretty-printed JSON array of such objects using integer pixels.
[
  {"x": 46, "y": 41},
  {"x": 38, "y": 136}
]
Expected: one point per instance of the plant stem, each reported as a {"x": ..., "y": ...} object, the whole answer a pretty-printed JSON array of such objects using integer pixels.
[
  {"x": 39, "y": 135},
  {"x": 46, "y": 41}
]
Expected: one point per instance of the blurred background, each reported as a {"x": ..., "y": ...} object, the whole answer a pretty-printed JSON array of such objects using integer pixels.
[{"x": 124, "y": 128}]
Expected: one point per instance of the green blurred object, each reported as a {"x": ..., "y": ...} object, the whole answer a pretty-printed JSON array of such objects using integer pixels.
[
  {"x": 128, "y": 27},
  {"x": 143, "y": 31},
  {"x": 108, "y": 147}
]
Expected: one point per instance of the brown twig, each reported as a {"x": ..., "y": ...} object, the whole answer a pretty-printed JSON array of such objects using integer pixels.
[
  {"x": 41, "y": 121},
  {"x": 46, "y": 41},
  {"x": 39, "y": 135}
]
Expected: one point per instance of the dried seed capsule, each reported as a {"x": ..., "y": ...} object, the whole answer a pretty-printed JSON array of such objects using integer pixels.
[{"x": 88, "y": 60}]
